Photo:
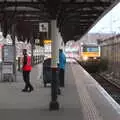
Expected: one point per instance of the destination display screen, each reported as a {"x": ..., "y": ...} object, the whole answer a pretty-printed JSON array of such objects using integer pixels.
[{"x": 90, "y": 49}]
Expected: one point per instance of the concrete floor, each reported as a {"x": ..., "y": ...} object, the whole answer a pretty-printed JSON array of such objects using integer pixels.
[{"x": 16, "y": 105}]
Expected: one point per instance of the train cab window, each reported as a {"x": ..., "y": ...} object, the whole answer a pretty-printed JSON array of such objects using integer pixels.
[{"x": 90, "y": 49}]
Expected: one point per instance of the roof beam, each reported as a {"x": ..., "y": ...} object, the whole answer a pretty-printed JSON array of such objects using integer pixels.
[
  {"x": 82, "y": 12},
  {"x": 73, "y": 12},
  {"x": 78, "y": 17},
  {"x": 72, "y": 1},
  {"x": 32, "y": 17},
  {"x": 78, "y": 23},
  {"x": 25, "y": 12},
  {"x": 86, "y": 4},
  {"x": 21, "y": 4},
  {"x": 64, "y": 4}
]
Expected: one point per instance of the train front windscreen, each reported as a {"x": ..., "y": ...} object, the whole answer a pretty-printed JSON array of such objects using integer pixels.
[{"x": 90, "y": 49}]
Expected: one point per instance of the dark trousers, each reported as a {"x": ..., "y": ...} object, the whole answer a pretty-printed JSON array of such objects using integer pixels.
[
  {"x": 61, "y": 77},
  {"x": 26, "y": 78}
]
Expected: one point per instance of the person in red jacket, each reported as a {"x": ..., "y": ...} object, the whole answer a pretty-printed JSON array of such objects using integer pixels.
[{"x": 26, "y": 71}]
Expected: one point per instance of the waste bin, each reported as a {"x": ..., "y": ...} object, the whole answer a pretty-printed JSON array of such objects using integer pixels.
[{"x": 47, "y": 73}]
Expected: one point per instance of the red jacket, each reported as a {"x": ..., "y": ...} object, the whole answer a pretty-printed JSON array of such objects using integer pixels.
[{"x": 27, "y": 67}]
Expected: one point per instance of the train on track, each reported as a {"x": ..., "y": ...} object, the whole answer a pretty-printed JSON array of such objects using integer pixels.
[{"x": 89, "y": 52}]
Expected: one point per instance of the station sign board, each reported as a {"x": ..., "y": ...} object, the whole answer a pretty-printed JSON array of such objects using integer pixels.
[
  {"x": 43, "y": 27},
  {"x": 8, "y": 53},
  {"x": 47, "y": 41}
]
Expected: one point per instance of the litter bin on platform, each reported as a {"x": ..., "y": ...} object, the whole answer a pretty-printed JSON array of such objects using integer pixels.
[{"x": 47, "y": 73}]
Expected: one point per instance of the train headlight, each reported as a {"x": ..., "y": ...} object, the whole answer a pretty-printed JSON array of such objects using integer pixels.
[{"x": 85, "y": 58}]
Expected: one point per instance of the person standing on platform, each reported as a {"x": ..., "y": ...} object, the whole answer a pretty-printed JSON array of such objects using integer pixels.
[
  {"x": 62, "y": 62},
  {"x": 26, "y": 71}
]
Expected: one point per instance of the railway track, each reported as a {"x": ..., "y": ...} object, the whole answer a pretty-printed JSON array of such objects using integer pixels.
[{"x": 110, "y": 87}]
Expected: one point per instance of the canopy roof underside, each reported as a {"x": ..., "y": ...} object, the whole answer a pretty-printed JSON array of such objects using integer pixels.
[{"x": 74, "y": 17}]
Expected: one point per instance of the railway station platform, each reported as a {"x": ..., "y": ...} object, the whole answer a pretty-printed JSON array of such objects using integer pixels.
[{"x": 82, "y": 98}]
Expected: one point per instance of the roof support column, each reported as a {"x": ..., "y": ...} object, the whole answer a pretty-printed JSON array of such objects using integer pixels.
[
  {"x": 14, "y": 47},
  {"x": 58, "y": 44},
  {"x": 54, "y": 105},
  {"x": 0, "y": 28},
  {"x": 62, "y": 42}
]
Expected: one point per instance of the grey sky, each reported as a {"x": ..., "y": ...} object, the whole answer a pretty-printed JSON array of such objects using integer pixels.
[{"x": 109, "y": 23}]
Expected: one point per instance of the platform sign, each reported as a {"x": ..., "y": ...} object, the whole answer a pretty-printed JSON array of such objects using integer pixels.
[
  {"x": 47, "y": 41},
  {"x": 47, "y": 48},
  {"x": 43, "y": 27},
  {"x": 8, "y": 53}
]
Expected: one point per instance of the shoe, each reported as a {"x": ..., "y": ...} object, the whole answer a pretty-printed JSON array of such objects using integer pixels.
[
  {"x": 30, "y": 90},
  {"x": 59, "y": 92},
  {"x": 24, "y": 90}
]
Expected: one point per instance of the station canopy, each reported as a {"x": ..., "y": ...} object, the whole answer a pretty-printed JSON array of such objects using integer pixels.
[{"x": 74, "y": 17}]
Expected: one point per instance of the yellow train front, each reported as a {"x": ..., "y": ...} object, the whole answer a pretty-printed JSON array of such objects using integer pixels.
[{"x": 90, "y": 53}]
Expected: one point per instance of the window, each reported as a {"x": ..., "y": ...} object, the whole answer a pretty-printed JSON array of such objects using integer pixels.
[{"x": 90, "y": 49}]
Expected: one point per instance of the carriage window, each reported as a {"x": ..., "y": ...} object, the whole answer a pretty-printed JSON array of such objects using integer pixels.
[{"x": 90, "y": 49}]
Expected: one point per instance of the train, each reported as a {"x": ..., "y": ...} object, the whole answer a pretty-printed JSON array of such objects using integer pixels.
[
  {"x": 83, "y": 52},
  {"x": 89, "y": 52}
]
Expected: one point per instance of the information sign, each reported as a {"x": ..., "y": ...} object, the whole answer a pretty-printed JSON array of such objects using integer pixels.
[{"x": 8, "y": 53}]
